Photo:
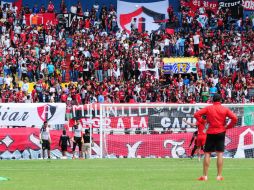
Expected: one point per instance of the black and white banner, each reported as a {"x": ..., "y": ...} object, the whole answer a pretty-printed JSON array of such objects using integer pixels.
[
  {"x": 144, "y": 117},
  {"x": 68, "y": 19},
  {"x": 229, "y": 3},
  {"x": 21, "y": 114},
  {"x": 235, "y": 6}
]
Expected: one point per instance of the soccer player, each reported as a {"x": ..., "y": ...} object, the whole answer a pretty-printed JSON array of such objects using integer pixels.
[
  {"x": 199, "y": 136},
  {"x": 194, "y": 139},
  {"x": 64, "y": 142},
  {"x": 77, "y": 139},
  {"x": 86, "y": 146},
  {"x": 45, "y": 139},
  {"x": 216, "y": 116}
]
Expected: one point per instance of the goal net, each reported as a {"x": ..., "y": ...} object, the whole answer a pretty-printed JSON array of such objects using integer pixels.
[{"x": 159, "y": 131}]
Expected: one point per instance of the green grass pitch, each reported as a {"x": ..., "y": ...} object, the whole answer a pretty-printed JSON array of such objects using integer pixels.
[{"x": 124, "y": 174}]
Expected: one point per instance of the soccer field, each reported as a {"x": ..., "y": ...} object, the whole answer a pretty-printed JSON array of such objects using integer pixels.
[{"x": 121, "y": 174}]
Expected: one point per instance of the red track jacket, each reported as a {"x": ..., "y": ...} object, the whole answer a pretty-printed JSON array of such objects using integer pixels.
[{"x": 216, "y": 115}]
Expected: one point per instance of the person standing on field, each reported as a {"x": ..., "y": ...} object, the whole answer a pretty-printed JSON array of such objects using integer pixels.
[
  {"x": 77, "y": 139},
  {"x": 45, "y": 139},
  {"x": 199, "y": 136},
  {"x": 64, "y": 142},
  {"x": 216, "y": 116},
  {"x": 86, "y": 146}
]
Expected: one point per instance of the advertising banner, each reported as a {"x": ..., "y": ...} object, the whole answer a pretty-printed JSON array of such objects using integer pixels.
[
  {"x": 24, "y": 143},
  {"x": 22, "y": 114},
  {"x": 180, "y": 65}
]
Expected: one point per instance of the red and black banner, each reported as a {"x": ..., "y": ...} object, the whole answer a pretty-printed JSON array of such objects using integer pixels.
[{"x": 24, "y": 143}]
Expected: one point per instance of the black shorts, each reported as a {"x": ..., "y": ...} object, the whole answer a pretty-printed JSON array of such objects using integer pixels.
[
  {"x": 45, "y": 145},
  {"x": 215, "y": 142},
  {"x": 77, "y": 142},
  {"x": 64, "y": 148}
]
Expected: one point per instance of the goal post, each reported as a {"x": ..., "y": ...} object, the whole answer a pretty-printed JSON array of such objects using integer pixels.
[{"x": 158, "y": 129}]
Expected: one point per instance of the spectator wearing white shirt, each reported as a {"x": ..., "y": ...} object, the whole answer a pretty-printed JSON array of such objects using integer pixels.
[
  {"x": 196, "y": 40},
  {"x": 134, "y": 24},
  {"x": 17, "y": 29},
  {"x": 201, "y": 66},
  {"x": 7, "y": 42},
  {"x": 8, "y": 80},
  {"x": 156, "y": 52},
  {"x": 251, "y": 66},
  {"x": 166, "y": 47},
  {"x": 25, "y": 87},
  {"x": 49, "y": 39},
  {"x": 47, "y": 48},
  {"x": 87, "y": 53},
  {"x": 215, "y": 80}
]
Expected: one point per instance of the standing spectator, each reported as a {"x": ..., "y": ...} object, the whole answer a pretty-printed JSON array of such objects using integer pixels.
[
  {"x": 25, "y": 87},
  {"x": 134, "y": 24},
  {"x": 35, "y": 9},
  {"x": 251, "y": 66},
  {"x": 51, "y": 69},
  {"x": 201, "y": 66},
  {"x": 181, "y": 46},
  {"x": 62, "y": 6},
  {"x": 216, "y": 115},
  {"x": 213, "y": 90},
  {"x": 8, "y": 81},
  {"x": 51, "y": 7},
  {"x": 196, "y": 41}
]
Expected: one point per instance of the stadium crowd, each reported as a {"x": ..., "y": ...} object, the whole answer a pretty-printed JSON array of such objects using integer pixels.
[{"x": 105, "y": 64}]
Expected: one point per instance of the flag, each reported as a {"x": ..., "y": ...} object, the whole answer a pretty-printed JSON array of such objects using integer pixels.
[
  {"x": 12, "y": 4},
  {"x": 202, "y": 20},
  {"x": 40, "y": 18},
  {"x": 146, "y": 14},
  {"x": 18, "y": 4},
  {"x": 207, "y": 4},
  {"x": 248, "y": 5},
  {"x": 170, "y": 31}
]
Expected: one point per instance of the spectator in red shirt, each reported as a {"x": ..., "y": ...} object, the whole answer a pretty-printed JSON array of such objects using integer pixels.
[
  {"x": 51, "y": 7},
  {"x": 216, "y": 115}
]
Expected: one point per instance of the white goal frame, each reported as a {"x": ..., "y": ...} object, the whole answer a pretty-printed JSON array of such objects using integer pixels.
[{"x": 152, "y": 105}]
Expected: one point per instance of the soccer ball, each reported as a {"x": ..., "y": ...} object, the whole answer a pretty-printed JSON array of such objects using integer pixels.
[{"x": 180, "y": 151}]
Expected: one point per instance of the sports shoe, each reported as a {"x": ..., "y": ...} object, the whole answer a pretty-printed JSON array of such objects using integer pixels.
[
  {"x": 219, "y": 178},
  {"x": 203, "y": 178}
]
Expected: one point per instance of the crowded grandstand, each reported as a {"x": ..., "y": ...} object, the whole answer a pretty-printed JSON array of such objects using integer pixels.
[{"x": 63, "y": 59}]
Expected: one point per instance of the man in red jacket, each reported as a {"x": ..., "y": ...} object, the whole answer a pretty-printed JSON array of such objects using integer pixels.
[{"x": 216, "y": 115}]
